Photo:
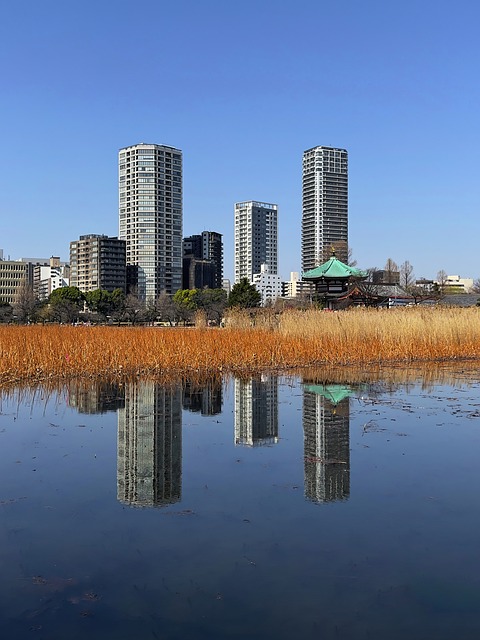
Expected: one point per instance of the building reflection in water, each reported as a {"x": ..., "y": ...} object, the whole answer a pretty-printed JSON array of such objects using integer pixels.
[
  {"x": 206, "y": 399},
  {"x": 326, "y": 427},
  {"x": 149, "y": 463},
  {"x": 99, "y": 397},
  {"x": 256, "y": 411}
]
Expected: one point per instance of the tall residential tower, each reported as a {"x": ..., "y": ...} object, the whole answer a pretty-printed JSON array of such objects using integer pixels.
[
  {"x": 255, "y": 239},
  {"x": 324, "y": 205},
  {"x": 150, "y": 211}
]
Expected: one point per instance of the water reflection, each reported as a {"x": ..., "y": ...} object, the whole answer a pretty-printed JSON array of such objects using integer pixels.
[
  {"x": 256, "y": 411},
  {"x": 326, "y": 427},
  {"x": 149, "y": 465},
  {"x": 205, "y": 399},
  {"x": 99, "y": 397}
]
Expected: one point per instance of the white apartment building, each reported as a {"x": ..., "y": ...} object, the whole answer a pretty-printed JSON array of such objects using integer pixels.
[
  {"x": 151, "y": 217},
  {"x": 256, "y": 240},
  {"x": 268, "y": 285},
  {"x": 324, "y": 203}
]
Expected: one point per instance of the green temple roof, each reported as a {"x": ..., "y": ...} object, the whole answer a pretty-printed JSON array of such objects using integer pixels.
[
  {"x": 333, "y": 268},
  {"x": 334, "y": 393}
]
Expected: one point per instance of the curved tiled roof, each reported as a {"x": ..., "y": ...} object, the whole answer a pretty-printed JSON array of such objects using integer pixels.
[{"x": 333, "y": 268}]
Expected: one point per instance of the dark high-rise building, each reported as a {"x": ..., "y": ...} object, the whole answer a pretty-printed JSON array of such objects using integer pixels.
[{"x": 207, "y": 246}]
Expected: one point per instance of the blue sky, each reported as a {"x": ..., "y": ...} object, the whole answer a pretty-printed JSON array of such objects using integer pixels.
[{"x": 243, "y": 89}]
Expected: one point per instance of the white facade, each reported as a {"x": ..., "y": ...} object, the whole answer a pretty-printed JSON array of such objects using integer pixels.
[
  {"x": 324, "y": 203},
  {"x": 48, "y": 278},
  {"x": 268, "y": 285},
  {"x": 256, "y": 240},
  {"x": 295, "y": 287},
  {"x": 457, "y": 283},
  {"x": 150, "y": 216}
]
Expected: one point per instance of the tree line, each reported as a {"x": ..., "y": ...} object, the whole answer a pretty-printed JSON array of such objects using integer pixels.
[{"x": 70, "y": 305}]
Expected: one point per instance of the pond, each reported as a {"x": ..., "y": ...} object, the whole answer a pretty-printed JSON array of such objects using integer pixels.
[{"x": 271, "y": 507}]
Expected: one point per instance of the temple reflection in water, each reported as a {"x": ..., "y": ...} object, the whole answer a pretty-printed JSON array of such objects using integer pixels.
[
  {"x": 326, "y": 426},
  {"x": 149, "y": 464},
  {"x": 256, "y": 411}
]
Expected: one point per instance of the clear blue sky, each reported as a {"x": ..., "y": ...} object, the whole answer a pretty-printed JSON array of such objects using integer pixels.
[{"x": 243, "y": 88}]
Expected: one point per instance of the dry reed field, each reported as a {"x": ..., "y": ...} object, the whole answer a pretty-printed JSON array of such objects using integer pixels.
[{"x": 291, "y": 340}]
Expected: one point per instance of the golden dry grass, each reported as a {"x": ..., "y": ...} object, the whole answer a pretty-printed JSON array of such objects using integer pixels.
[{"x": 292, "y": 340}]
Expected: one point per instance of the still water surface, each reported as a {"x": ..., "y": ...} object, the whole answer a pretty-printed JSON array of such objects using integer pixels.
[{"x": 268, "y": 508}]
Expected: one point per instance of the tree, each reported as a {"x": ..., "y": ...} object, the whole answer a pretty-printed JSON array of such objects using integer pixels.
[
  {"x": 442, "y": 278},
  {"x": 476, "y": 286},
  {"x": 391, "y": 271},
  {"x": 6, "y": 312},
  {"x": 341, "y": 250},
  {"x": 165, "y": 308},
  {"x": 65, "y": 304},
  {"x": 244, "y": 295},
  {"x": 407, "y": 279},
  {"x": 185, "y": 304},
  {"x": 99, "y": 301},
  {"x": 133, "y": 309},
  {"x": 213, "y": 302},
  {"x": 25, "y": 302}
]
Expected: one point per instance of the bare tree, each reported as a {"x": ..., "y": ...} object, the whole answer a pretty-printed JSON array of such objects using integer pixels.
[
  {"x": 407, "y": 278},
  {"x": 442, "y": 278},
  {"x": 391, "y": 271},
  {"x": 25, "y": 302}
]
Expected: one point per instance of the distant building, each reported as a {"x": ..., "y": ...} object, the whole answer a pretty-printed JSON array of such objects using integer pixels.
[
  {"x": 295, "y": 287},
  {"x": 98, "y": 262},
  {"x": 256, "y": 240},
  {"x": 48, "y": 278},
  {"x": 268, "y": 285},
  {"x": 383, "y": 276},
  {"x": 226, "y": 286},
  {"x": 324, "y": 204},
  {"x": 457, "y": 284}
]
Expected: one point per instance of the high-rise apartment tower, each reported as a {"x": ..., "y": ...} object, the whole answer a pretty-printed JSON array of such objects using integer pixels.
[
  {"x": 150, "y": 212},
  {"x": 324, "y": 205},
  {"x": 255, "y": 238}
]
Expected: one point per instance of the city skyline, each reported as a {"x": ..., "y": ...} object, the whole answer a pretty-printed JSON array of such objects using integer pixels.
[{"x": 392, "y": 83}]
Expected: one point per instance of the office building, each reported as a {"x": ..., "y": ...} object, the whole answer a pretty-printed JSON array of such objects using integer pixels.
[
  {"x": 255, "y": 238},
  {"x": 324, "y": 205},
  {"x": 13, "y": 275},
  {"x": 98, "y": 262},
  {"x": 150, "y": 217}
]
